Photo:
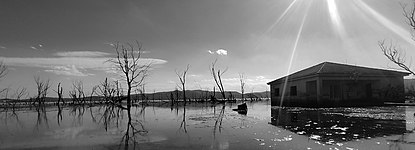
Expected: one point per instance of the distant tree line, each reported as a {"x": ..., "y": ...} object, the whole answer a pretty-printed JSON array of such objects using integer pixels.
[{"x": 133, "y": 72}]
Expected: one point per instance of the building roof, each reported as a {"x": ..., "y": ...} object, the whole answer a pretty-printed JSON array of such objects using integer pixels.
[{"x": 331, "y": 68}]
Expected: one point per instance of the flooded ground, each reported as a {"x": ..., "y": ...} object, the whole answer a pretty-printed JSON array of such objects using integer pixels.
[{"x": 208, "y": 126}]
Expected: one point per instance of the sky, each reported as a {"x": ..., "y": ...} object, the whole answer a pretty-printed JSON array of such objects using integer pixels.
[{"x": 67, "y": 41}]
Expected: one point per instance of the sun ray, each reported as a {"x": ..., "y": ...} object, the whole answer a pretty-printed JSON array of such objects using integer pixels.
[
  {"x": 401, "y": 32},
  {"x": 335, "y": 18},
  {"x": 300, "y": 30},
  {"x": 275, "y": 23}
]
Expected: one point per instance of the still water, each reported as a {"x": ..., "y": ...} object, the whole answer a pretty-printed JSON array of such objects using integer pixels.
[{"x": 207, "y": 126}]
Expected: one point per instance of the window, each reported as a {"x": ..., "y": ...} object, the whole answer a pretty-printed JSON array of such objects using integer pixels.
[
  {"x": 293, "y": 91},
  {"x": 277, "y": 92}
]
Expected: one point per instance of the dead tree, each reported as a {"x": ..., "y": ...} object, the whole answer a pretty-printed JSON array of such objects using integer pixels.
[
  {"x": 118, "y": 95},
  {"x": 107, "y": 90},
  {"x": 3, "y": 72},
  {"x": 42, "y": 87},
  {"x": 128, "y": 62},
  {"x": 182, "y": 77},
  {"x": 217, "y": 77},
  {"x": 142, "y": 92},
  {"x": 3, "y": 69},
  {"x": 93, "y": 91},
  {"x": 77, "y": 93},
  {"x": 19, "y": 94},
  {"x": 394, "y": 53},
  {"x": 59, "y": 91},
  {"x": 242, "y": 81}
]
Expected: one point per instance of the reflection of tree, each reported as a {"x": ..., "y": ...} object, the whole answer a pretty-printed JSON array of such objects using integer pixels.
[
  {"x": 42, "y": 117},
  {"x": 77, "y": 112},
  {"x": 7, "y": 115},
  {"x": 183, "y": 122},
  {"x": 218, "y": 122},
  {"x": 113, "y": 116},
  {"x": 134, "y": 128},
  {"x": 59, "y": 115}
]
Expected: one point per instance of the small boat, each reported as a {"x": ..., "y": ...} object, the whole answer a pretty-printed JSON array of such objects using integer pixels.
[{"x": 242, "y": 109}]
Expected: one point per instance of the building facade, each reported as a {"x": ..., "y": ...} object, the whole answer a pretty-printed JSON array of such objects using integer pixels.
[{"x": 333, "y": 84}]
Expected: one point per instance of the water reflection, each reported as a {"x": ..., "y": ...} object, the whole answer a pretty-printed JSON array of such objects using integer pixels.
[
  {"x": 332, "y": 125},
  {"x": 203, "y": 126}
]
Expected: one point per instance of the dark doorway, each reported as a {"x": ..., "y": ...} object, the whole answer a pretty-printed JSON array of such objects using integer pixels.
[
  {"x": 311, "y": 90},
  {"x": 369, "y": 90},
  {"x": 336, "y": 92}
]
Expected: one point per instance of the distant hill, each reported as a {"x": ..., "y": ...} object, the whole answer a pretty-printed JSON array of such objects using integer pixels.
[
  {"x": 190, "y": 94},
  {"x": 200, "y": 94}
]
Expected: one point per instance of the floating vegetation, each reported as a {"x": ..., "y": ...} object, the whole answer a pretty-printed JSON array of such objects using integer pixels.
[{"x": 337, "y": 125}]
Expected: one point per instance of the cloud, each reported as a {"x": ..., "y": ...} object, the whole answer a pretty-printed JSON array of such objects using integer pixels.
[
  {"x": 2, "y": 47},
  {"x": 67, "y": 70},
  {"x": 37, "y": 47},
  {"x": 221, "y": 52},
  {"x": 69, "y": 63},
  {"x": 82, "y": 54}
]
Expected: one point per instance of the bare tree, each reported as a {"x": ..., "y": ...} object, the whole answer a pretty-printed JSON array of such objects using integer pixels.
[
  {"x": 42, "y": 87},
  {"x": 242, "y": 81},
  {"x": 119, "y": 92},
  {"x": 59, "y": 91},
  {"x": 141, "y": 91},
  {"x": 217, "y": 77},
  {"x": 182, "y": 77},
  {"x": 3, "y": 69},
  {"x": 3, "y": 72},
  {"x": 394, "y": 53},
  {"x": 107, "y": 90},
  {"x": 19, "y": 93},
  {"x": 128, "y": 62},
  {"x": 93, "y": 91},
  {"x": 5, "y": 92},
  {"x": 77, "y": 93}
]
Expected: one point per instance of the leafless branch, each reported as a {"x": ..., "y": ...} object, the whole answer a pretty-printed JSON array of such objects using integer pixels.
[
  {"x": 242, "y": 81},
  {"x": 182, "y": 77},
  {"x": 42, "y": 89},
  {"x": 3, "y": 69},
  {"x": 217, "y": 77},
  {"x": 395, "y": 55},
  {"x": 128, "y": 62}
]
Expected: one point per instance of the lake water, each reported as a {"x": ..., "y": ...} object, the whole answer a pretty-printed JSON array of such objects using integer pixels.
[{"x": 207, "y": 126}]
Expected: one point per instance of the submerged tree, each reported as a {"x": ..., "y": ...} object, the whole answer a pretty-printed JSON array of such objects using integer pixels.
[
  {"x": 217, "y": 77},
  {"x": 182, "y": 77},
  {"x": 42, "y": 87},
  {"x": 3, "y": 72},
  {"x": 3, "y": 69},
  {"x": 128, "y": 62},
  {"x": 108, "y": 91},
  {"x": 242, "y": 81},
  {"x": 393, "y": 52},
  {"x": 77, "y": 93},
  {"x": 59, "y": 91},
  {"x": 20, "y": 93}
]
